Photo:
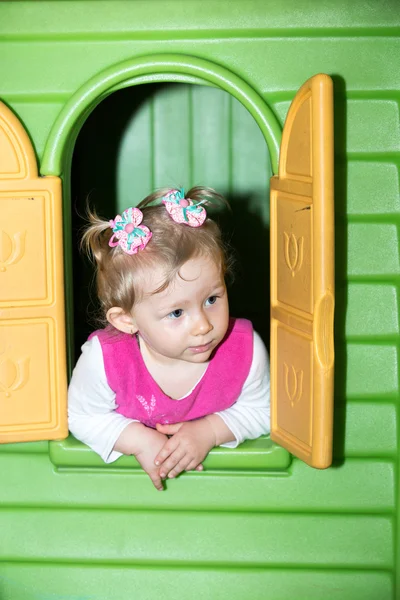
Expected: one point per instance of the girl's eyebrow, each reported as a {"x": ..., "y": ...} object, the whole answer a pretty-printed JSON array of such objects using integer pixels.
[{"x": 216, "y": 288}]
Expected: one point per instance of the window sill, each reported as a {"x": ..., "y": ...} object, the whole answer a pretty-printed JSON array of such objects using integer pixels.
[{"x": 253, "y": 455}]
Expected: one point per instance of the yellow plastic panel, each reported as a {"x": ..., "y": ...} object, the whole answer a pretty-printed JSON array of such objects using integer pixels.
[
  {"x": 22, "y": 215},
  {"x": 302, "y": 278},
  {"x": 32, "y": 332},
  {"x": 294, "y": 220},
  {"x": 32, "y": 340},
  {"x": 298, "y": 158},
  {"x": 295, "y": 354},
  {"x": 17, "y": 159}
]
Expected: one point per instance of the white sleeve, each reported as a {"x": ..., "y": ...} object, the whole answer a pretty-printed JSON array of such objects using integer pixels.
[
  {"x": 249, "y": 417},
  {"x": 91, "y": 404}
]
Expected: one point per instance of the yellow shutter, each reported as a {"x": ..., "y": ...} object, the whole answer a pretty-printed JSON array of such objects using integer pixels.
[
  {"x": 302, "y": 278},
  {"x": 32, "y": 331}
]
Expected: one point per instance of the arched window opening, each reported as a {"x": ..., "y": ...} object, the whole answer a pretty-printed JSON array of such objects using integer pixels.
[{"x": 165, "y": 134}]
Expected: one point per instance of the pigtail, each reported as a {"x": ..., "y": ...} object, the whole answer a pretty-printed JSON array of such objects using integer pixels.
[
  {"x": 96, "y": 236},
  {"x": 207, "y": 195},
  {"x": 154, "y": 197}
]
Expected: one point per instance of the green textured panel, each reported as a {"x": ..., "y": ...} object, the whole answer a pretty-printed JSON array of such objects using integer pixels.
[
  {"x": 365, "y": 63},
  {"x": 370, "y": 429},
  {"x": 372, "y": 188},
  {"x": 253, "y": 455},
  {"x": 172, "y": 144},
  {"x": 139, "y": 537},
  {"x": 225, "y": 16},
  {"x": 281, "y": 109},
  {"x": 361, "y": 301},
  {"x": 91, "y": 582},
  {"x": 365, "y": 486},
  {"x": 212, "y": 137},
  {"x": 373, "y": 126},
  {"x": 370, "y": 370},
  {"x": 372, "y": 249},
  {"x": 251, "y": 168},
  {"x": 25, "y": 448},
  {"x": 134, "y": 152},
  {"x": 37, "y": 117}
]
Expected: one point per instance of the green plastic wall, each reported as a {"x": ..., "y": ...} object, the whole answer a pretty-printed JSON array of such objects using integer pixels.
[{"x": 246, "y": 527}]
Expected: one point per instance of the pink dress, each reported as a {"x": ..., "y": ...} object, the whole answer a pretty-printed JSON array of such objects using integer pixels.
[{"x": 139, "y": 397}]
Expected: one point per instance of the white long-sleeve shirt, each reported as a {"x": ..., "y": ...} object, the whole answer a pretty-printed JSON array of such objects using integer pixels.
[{"x": 91, "y": 402}]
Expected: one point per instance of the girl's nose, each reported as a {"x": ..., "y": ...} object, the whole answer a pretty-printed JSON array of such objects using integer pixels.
[{"x": 201, "y": 325}]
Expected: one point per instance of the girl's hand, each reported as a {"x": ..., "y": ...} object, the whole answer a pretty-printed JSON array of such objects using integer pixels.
[
  {"x": 144, "y": 443},
  {"x": 186, "y": 449}
]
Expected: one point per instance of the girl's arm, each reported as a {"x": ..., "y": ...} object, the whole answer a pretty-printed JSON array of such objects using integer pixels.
[
  {"x": 93, "y": 420},
  {"x": 91, "y": 404}
]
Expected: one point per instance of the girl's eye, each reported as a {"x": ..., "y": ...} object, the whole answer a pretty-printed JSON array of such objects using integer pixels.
[
  {"x": 175, "y": 314},
  {"x": 211, "y": 300}
]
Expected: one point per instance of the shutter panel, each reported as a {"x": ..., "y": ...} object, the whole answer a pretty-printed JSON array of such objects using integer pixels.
[
  {"x": 32, "y": 332},
  {"x": 302, "y": 278}
]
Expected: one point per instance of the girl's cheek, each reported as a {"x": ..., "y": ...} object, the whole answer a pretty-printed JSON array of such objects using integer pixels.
[
  {"x": 178, "y": 326},
  {"x": 172, "y": 324},
  {"x": 218, "y": 309}
]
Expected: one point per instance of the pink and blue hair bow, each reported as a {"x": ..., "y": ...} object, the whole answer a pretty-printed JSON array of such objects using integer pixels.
[
  {"x": 184, "y": 210},
  {"x": 128, "y": 233},
  {"x": 131, "y": 236}
]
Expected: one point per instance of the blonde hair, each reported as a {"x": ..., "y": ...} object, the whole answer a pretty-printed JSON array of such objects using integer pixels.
[{"x": 119, "y": 275}]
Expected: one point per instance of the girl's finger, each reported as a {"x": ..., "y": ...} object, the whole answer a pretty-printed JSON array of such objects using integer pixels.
[
  {"x": 172, "y": 461},
  {"x": 168, "y": 448},
  {"x": 181, "y": 466},
  {"x": 169, "y": 429},
  {"x": 157, "y": 481},
  {"x": 194, "y": 466}
]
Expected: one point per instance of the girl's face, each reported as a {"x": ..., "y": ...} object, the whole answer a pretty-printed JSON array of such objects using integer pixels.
[{"x": 187, "y": 320}]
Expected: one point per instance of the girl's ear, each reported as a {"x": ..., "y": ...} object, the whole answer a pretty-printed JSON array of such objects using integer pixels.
[{"x": 121, "y": 320}]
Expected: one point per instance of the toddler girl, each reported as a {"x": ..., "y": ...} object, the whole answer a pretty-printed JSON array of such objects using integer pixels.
[{"x": 170, "y": 361}]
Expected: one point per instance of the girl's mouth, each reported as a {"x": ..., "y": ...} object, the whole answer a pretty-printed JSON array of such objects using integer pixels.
[{"x": 200, "y": 349}]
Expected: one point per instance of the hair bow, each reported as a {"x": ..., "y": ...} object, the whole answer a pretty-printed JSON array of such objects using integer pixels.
[
  {"x": 128, "y": 233},
  {"x": 184, "y": 210}
]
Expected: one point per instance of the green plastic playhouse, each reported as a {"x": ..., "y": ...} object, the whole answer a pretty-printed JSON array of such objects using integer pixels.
[{"x": 117, "y": 98}]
